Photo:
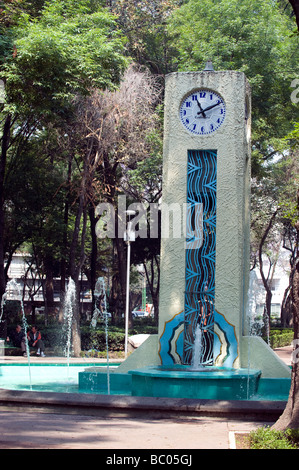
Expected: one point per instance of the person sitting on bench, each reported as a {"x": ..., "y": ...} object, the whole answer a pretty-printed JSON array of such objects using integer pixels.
[
  {"x": 35, "y": 341},
  {"x": 17, "y": 337}
]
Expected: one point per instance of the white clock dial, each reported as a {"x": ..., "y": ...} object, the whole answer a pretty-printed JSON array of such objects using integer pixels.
[{"x": 202, "y": 112}]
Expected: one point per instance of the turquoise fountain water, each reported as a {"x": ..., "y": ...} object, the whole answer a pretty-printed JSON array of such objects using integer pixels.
[
  {"x": 196, "y": 381},
  {"x": 100, "y": 310},
  {"x": 179, "y": 381},
  {"x": 13, "y": 290},
  {"x": 68, "y": 313}
]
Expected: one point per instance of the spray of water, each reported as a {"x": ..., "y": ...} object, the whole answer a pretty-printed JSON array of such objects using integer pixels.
[
  {"x": 254, "y": 324},
  {"x": 3, "y": 302},
  {"x": 196, "y": 362},
  {"x": 69, "y": 303},
  {"x": 101, "y": 309},
  {"x": 13, "y": 291}
]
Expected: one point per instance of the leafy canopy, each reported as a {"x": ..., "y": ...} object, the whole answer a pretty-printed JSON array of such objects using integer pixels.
[
  {"x": 70, "y": 48},
  {"x": 250, "y": 36}
]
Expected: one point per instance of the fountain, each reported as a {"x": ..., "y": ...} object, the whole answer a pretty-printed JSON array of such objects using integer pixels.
[
  {"x": 195, "y": 381},
  {"x": 101, "y": 310},
  {"x": 60, "y": 377},
  {"x": 206, "y": 280},
  {"x": 2, "y": 325},
  {"x": 68, "y": 318},
  {"x": 177, "y": 381},
  {"x": 197, "y": 353},
  {"x": 196, "y": 363},
  {"x": 12, "y": 287},
  {"x": 254, "y": 325}
]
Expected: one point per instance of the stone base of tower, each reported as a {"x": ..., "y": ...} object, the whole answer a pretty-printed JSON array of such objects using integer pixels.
[{"x": 255, "y": 353}]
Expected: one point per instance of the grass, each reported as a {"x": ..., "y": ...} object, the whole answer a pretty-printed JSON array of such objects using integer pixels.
[{"x": 267, "y": 438}]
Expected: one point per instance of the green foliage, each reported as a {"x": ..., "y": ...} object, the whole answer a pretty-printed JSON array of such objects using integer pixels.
[
  {"x": 280, "y": 338},
  {"x": 267, "y": 438},
  {"x": 35, "y": 207},
  {"x": 66, "y": 51},
  {"x": 285, "y": 175},
  {"x": 144, "y": 326},
  {"x": 12, "y": 313},
  {"x": 145, "y": 181},
  {"x": 293, "y": 137},
  {"x": 95, "y": 339},
  {"x": 248, "y": 36},
  {"x": 144, "y": 23},
  {"x": 54, "y": 338},
  {"x": 51, "y": 52}
]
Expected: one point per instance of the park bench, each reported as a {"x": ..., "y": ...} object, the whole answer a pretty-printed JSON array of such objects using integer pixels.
[{"x": 10, "y": 350}]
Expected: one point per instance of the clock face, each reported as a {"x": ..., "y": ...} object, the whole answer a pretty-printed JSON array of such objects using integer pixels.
[{"x": 202, "y": 112}]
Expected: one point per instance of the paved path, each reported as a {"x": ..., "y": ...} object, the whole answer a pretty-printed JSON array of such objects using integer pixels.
[
  {"x": 285, "y": 353},
  {"x": 58, "y": 431},
  {"x": 26, "y": 430}
]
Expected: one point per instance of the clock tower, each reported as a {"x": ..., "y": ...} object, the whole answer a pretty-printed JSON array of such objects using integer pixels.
[
  {"x": 206, "y": 209},
  {"x": 205, "y": 228}
]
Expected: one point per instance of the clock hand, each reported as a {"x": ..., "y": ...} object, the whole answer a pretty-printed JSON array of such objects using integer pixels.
[
  {"x": 209, "y": 107},
  {"x": 201, "y": 110}
]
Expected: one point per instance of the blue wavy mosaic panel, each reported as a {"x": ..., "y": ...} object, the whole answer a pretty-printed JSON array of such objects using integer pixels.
[{"x": 201, "y": 253}]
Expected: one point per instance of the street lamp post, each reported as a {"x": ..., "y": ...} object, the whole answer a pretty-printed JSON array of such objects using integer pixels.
[{"x": 129, "y": 237}]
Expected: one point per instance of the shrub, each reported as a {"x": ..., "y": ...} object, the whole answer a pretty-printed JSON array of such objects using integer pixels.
[
  {"x": 267, "y": 438},
  {"x": 55, "y": 335},
  {"x": 96, "y": 339},
  {"x": 280, "y": 338}
]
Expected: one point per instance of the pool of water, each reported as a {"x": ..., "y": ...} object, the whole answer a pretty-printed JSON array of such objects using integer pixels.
[
  {"x": 62, "y": 378},
  {"x": 92, "y": 378}
]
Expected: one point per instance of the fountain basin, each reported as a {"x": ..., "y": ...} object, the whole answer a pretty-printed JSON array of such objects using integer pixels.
[
  {"x": 94, "y": 380},
  {"x": 214, "y": 383},
  {"x": 179, "y": 381},
  {"x": 53, "y": 377}
]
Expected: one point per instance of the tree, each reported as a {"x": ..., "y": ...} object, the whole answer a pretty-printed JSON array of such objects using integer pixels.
[
  {"x": 118, "y": 129},
  {"x": 272, "y": 209},
  {"x": 34, "y": 209},
  {"x": 252, "y": 37},
  {"x": 289, "y": 236},
  {"x": 290, "y": 416},
  {"x": 295, "y": 6},
  {"x": 144, "y": 23},
  {"x": 70, "y": 48},
  {"x": 144, "y": 184}
]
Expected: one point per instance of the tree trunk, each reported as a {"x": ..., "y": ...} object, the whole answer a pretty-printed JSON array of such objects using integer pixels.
[
  {"x": 121, "y": 254},
  {"x": 75, "y": 268},
  {"x": 290, "y": 416},
  {"x": 286, "y": 310},
  {"x": 4, "y": 148},
  {"x": 93, "y": 255},
  {"x": 266, "y": 283},
  {"x": 295, "y": 6},
  {"x": 267, "y": 311},
  {"x": 65, "y": 241},
  {"x": 154, "y": 284},
  {"x": 49, "y": 287}
]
